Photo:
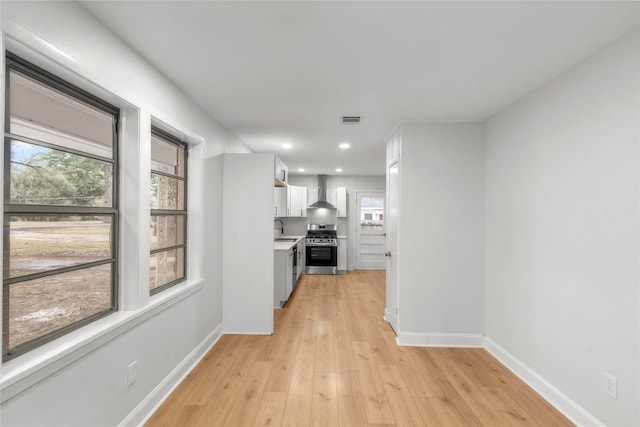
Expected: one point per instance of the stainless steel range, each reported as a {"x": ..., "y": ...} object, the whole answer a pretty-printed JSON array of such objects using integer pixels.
[
  {"x": 321, "y": 249},
  {"x": 322, "y": 237}
]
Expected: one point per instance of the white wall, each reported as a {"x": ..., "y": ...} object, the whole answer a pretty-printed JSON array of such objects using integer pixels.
[
  {"x": 80, "y": 378},
  {"x": 212, "y": 254},
  {"x": 346, "y": 226},
  {"x": 247, "y": 205},
  {"x": 562, "y": 232},
  {"x": 441, "y": 239}
]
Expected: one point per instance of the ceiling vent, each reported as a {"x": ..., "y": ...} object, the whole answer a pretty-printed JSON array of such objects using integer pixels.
[{"x": 350, "y": 120}]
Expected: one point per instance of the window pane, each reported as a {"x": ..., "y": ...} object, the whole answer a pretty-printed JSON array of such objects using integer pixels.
[
  {"x": 166, "y": 157},
  {"x": 42, "y": 176},
  {"x": 372, "y": 213},
  {"x": 166, "y": 267},
  {"x": 46, "y": 114},
  {"x": 166, "y": 192},
  {"x": 43, "y": 243},
  {"x": 37, "y": 307},
  {"x": 166, "y": 231}
]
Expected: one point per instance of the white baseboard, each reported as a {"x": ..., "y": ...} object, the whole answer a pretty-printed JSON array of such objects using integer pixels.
[
  {"x": 419, "y": 339},
  {"x": 247, "y": 333},
  {"x": 158, "y": 395},
  {"x": 574, "y": 412},
  {"x": 386, "y": 316}
]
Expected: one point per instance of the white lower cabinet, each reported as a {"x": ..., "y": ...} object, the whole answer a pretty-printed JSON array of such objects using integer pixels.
[
  {"x": 289, "y": 273},
  {"x": 301, "y": 260},
  {"x": 342, "y": 255},
  {"x": 282, "y": 277}
]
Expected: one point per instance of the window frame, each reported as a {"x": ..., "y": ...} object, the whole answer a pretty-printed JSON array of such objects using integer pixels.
[
  {"x": 16, "y": 63},
  {"x": 181, "y": 145}
]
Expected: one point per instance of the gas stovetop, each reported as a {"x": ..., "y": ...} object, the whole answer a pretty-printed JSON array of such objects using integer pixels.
[
  {"x": 322, "y": 238},
  {"x": 323, "y": 235}
]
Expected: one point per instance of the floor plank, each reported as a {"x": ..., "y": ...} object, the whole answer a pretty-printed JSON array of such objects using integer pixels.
[
  {"x": 271, "y": 409},
  {"x": 324, "y": 406},
  {"x": 334, "y": 361}
]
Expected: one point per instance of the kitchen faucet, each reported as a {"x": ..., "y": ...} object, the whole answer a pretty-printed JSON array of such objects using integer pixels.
[{"x": 281, "y": 225}]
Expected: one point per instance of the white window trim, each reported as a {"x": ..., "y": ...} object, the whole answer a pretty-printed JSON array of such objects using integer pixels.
[{"x": 184, "y": 146}]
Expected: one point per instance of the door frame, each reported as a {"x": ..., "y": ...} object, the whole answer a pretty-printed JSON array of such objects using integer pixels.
[
  {"x": 392, "y": 318},
  {"x": 383, "y": 193}
]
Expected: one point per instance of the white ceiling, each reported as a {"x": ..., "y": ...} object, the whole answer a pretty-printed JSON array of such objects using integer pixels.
[{"x": 275, "y": 72}]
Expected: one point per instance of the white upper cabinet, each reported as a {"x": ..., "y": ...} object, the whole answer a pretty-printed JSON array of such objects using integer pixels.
[
  {"x": 297, "y": 201},
  {"x": 290, "y": 201},
  {"x": 281, "y": 172},
  {"x": 338, "y": 198},
  {"x": 280, "y": 202},
  {"x": 341, "y": 201}
]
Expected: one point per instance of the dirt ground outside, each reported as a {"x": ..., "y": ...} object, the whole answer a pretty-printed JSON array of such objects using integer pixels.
[{"x": 33, "y": 308}]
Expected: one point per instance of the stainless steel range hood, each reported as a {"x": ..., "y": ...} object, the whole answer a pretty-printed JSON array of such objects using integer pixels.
[{"x": 322, "y": 194}]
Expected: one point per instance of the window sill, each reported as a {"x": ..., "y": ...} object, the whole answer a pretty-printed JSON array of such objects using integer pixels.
[{"x": 27, "y": 370}]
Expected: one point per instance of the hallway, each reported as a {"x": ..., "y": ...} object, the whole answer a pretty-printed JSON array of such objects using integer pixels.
[{"x": 333, "y": 361}]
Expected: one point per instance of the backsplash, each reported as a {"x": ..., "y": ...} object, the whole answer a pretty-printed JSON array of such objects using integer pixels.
[{"x": 298, "y": 227}]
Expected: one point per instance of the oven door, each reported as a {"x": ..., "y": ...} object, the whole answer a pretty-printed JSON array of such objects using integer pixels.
[{"x": 321, "y": 259}]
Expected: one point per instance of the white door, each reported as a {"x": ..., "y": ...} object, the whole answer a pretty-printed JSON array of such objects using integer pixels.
[
  {"x": 370, "y": 230},
  {"x": 392, "y": 245}
]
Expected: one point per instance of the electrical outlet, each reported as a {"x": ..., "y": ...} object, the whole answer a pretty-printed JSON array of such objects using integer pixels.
[
  {"x": 132, "y": 372},
  {"x": 610, "y": 385}
]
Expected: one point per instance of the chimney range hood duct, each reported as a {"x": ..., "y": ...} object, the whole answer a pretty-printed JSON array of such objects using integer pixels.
[{"x": 322, "y": 194}]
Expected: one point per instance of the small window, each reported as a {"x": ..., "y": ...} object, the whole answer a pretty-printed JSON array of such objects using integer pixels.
[
  {"x": 60, "y": 208},
  {"x": 372, "y": 213},
  {"x": 168, "y": 211}
]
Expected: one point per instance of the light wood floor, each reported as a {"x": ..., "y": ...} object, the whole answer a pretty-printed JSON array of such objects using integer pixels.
[{"x": 333, "y": 361}]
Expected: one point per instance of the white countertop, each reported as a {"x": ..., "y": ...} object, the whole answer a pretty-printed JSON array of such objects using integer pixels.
[{"x": 285, "y": 246}]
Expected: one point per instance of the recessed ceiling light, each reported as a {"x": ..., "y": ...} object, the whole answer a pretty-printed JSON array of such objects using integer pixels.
[
  {"x": 339, "y": 170},
  {"x": 345, "y": 145},
  {"x": 300, "y": 169},
  {"x": 286, "y": 146}
]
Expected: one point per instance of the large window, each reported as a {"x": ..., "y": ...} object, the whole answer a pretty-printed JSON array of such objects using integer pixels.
[
  {"x": 60, "y": 208},
  {"x": 168, "y": 210}
]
